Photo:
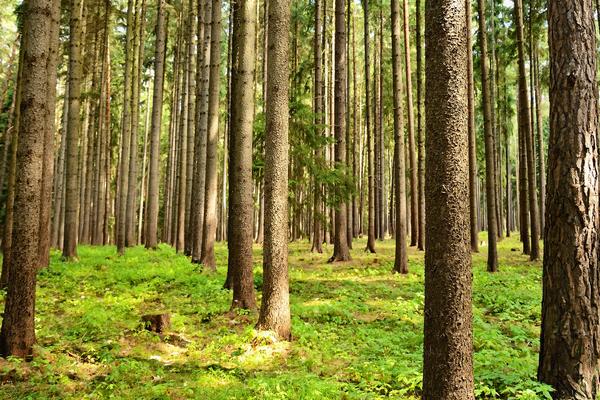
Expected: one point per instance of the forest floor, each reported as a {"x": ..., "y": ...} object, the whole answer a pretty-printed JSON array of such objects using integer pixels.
[{"x": 357, "y": 329}]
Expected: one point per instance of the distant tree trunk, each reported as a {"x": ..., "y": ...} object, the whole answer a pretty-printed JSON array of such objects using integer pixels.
[
  {"x": 317, "y": 240},
  {"x": 421, "y": 126},
  {"x": 201, "y": 131},
  {"x": 75, "y": 77},
  {"x": 17, "y": 335},
  {"x": 275, "y": 308},
  {"x": 357, "y": 135},
  {"x": 401, "y": 258},
  {"x": 472, "y": 137},
  {"x": 151, "y": 236},
  {"x": 525, "y": 127},
  {"x": 570, "y": 348},
  {"x": 123, "y": 177},
  {"x": 191, "y": 124},
  {"x": 414, "y": 197},
  {"x": 210, "y": 208},
  {"x": 370, "y": 162},
  {"x": 341, "y": 251},
  {"x": 240, "y": 213},
  {"x": 540, "y": 140},
  {"x": 448, "y": 343},
  {"x": 349, "y": 129},
  {"x": 490, "y": 160}
]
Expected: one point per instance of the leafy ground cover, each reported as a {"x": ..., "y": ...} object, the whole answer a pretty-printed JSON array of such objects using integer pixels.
[{"x": 357, "y": 330}]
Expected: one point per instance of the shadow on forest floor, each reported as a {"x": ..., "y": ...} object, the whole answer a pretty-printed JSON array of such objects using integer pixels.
[{"x": 357, "y": 329}]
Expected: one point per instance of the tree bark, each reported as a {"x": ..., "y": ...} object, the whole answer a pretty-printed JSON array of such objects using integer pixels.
[
  {"x": 17, "y": 335},
  {"x": 570, "y": 348},
  {"x": 401, "y": 258},
  {"x": 370, "y": 162},
  {"x": 341, "y": 251},
  {"x": 472, "y": 137},
  {"x": 151, "y": 236},
  {"x": 275, "y": 307},
  {"x": 448, "y": 343},
  {"x": 73, "y": 125},
  {"x": 317, "y": 239},
  {"x": 241, "y": 202},
  {"x": 490, "y": 158}
]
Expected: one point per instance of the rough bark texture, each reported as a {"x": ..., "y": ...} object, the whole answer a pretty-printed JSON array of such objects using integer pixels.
[
  {"x": 341, "y": 251},
  {"x": 73, "y": 125},
  {"x": 401, "y": 257},
  {"x": 151, "y": 236},
  {"x": 240, "y": 157},
  {"x": 275, "y": 307},
  {"x": 570, "y": 348},
  {"x": 448, "y": 343},
  {"x": 472, "y": 137},
  {"x": 17, "y": 335},
  {"x": 209, "y": 233},
  {"x": 490, "y": 163}
]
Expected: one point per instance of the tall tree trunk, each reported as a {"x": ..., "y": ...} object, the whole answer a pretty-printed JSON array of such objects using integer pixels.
[
  {"x": 570, "y": 348},
  {"x": 448, "y": 343},
  {"x": 73, "y": 126},
  {"x": 17, "y": 335},
  {"x": 525, "y": 127},
  {"x": 414, "y": 197},
  {"x": 540, "y": 140},
  {"x": 241, "y": 202},
  {"x": 401, "y": 258},
  {"x": 191, "y": 123},
  {"x": 151, "y": 236},
  {"x": 341, "y": 252},
  {"x": 123, "y": 177},
  {"x": 317, "y": 240},
  {"x": 370, "y": 162},
  {"x": 210, "y": 207},
  {"x": 472, "y": 137},
  {"x": 490, "y": 159},
  {"x": 199, "y": 181},
  {"x": 421, "y": 126},
  {"x": 275, "y": 307}
]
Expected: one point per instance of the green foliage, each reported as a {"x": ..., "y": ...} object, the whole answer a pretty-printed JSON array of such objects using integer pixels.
[{"x": 357, "y": 330}]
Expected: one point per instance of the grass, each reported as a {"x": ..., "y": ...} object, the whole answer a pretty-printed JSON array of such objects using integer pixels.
[{"x": 357, "y": 330}]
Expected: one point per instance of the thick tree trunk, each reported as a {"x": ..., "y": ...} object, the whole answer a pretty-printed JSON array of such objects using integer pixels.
[
  {"x": 17, "y": 335},
  {"x": 570, "y": 348},
  {"x": 241, "y": 202},
  {"x": 401, "y": 258},
  {"x": 341, "y": 251},
  {"x": 490, "y": 159},
  {"x": 275, "y": 307},
  {"x": 448, "y": 343}
]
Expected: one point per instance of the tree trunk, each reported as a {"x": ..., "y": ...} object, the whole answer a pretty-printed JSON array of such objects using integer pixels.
[
  {"x": 448, "y": 343},
  {"x": 370, "y": 162},
  {"x": 17, "y": 335},
  {"x": 490, "y": 159},
  {"x": 570, "y": 348},
  {"x": 401, "y": 258},
  {"x": 472, "y": 137},
  {"x": 73, "y": 125},
  {"x": 317, "y": 240},
  {"x": 525, "y": 128},
  {"x": 421, "y": 127},
  {"x": 241, "y": 202},
  {"x": 341, "y": 252},
  {"x": 210, "y": 207},
  {"x": 275, "y": 308}
]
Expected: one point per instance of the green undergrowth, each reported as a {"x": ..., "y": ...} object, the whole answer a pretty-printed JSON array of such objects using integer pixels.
[{"x": 357, "y": 330}]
